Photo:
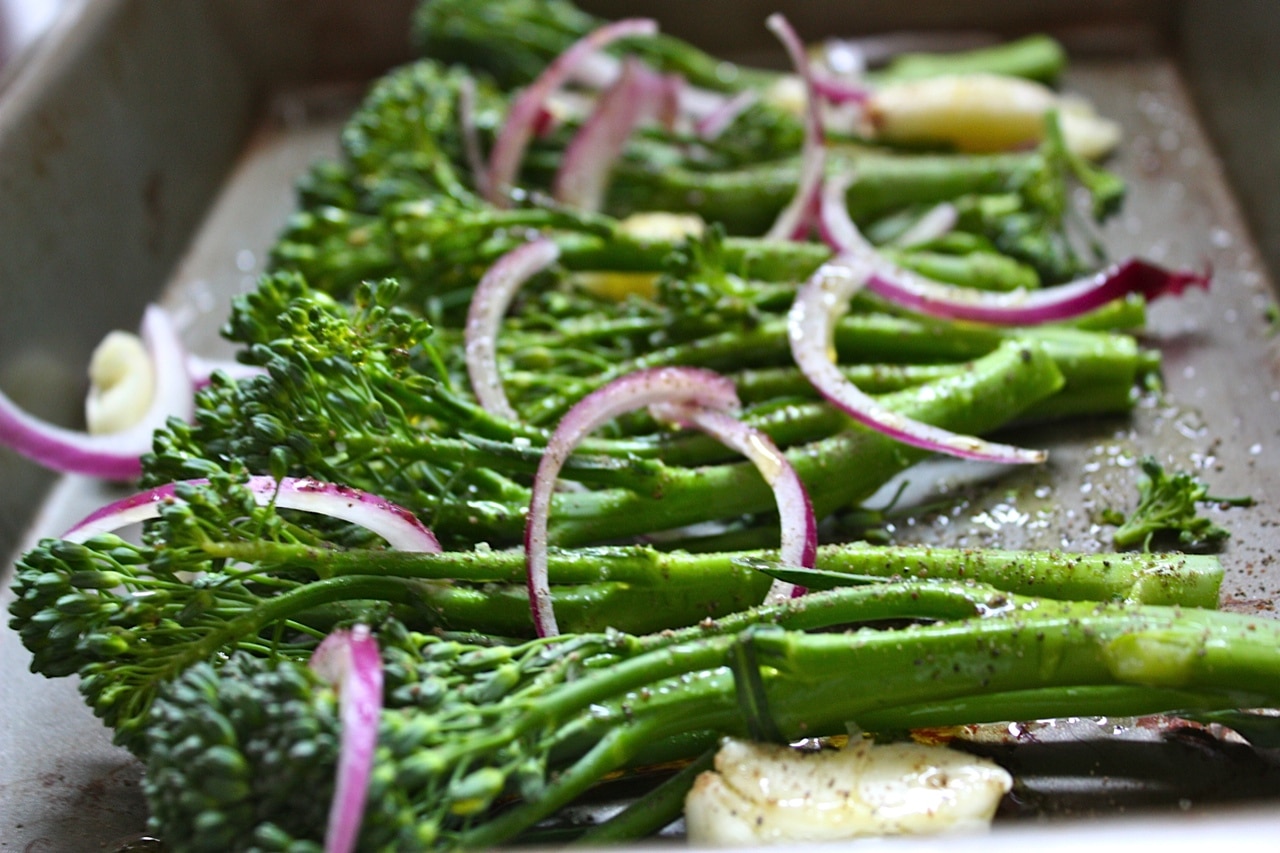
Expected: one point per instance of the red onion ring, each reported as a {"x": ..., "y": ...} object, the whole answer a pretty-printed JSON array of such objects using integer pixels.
[
  {"x": 810, "y": 326},
  {"x": 114, "y": 456},
  {"x": 716, "y": 122},
  {"x": 584, "y": 169},
  {"x": 599, "y": 71},
  {"x": 489, "y": 303},
  {"x": 1019, "y": 308},
  {"x": 635, "y": 391},
  {"x": 837, "y": 91},
  {"x": 936, "y": 222},
  {"x": 398, "y": 526},
  {"x": 596, "y": 70},
  {"x": 508, "y": 148},
  {"x": 794, "y": 222},
  {"x": 799, "y": 546},
  {"x": 351, "y": 662}
]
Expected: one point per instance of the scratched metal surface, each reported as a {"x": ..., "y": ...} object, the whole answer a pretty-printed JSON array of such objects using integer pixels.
[{"x": 63, "y": 787}]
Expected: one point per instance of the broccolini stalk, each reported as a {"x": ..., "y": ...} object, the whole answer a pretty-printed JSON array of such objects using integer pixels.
[
  {"x": 513, "y": 40},
  {"x": 360, "y": 396},
  {"x": 219, "y": 572},
  {"x": 404, "y": 144},
  {"x": 1109, "y": 390},
  {"x": 478, "y": 744},
  {"x": 1102, "y": 367},
  {"x": 1035, "y": 57}
]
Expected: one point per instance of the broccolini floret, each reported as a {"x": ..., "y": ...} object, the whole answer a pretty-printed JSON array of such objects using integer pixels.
[{"x": 1168, "y": 504}]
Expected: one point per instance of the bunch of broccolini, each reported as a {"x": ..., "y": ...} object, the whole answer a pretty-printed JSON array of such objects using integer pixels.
[{"x": 192, "y": 644}]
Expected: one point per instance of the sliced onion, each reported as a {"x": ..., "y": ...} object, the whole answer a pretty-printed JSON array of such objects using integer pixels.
[
  {"x": 936, "y": 222},
  {"x": 351, "y": 662},
  {"x": 599, "y": 71},
  {"x": 795, "y": 511},
  {"x": 549, "y": 119},
  {"x": 633, "y": 391},
  {"x": 583, "y": 175},
  {"x": 492, "y": 296},
  {"x": 508, "y": 148},
  {"x": 471, "y": 135},
  {"x": 797, "y": 217},
  {"x": 117, "y": 455},
  {"x": 716, "y": 122},
  {"x": 1018, "y": 308},
  {"x": 697, "y": 103},
  {"x": 596, "y": 70},
  {"x": 837, "y": 91},
  {"x": 398, "y": 526},
  {"x": 810, "y": 328}
]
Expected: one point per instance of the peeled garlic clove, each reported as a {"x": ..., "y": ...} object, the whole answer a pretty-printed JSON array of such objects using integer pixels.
[
  {"x": 121, "y": 384},
  {"x": 984, "y": 113},
  {"x": 662, "y": 225},
  {"x": 1087, "y": 133},
  {"x": 764, "y": 793}
]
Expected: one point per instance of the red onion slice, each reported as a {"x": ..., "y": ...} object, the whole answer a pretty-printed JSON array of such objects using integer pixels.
[
  {"x": 799, "y": 544},
  {"x": 717, "y": 121},
  {"x": 398, "y": 526},
  {"x": 584, "y": 170},
  {"x": 1018, "y": 308},
  {"x": 635, "y": 391},
  {"x": 936, "y": 222},
  {"x": 508, "y": 148},
  {"x": 596, "y": 70},
  {"x": 599, "y": 71},
  {"x": 796, "y": 218},
  {"x": 114, "y": 456},
  {"x": 350, "y": 661},
  {"x": 810, "y": 326},
  {"x": 489, "y": 303},
  {"x": 837, "y": 91}
]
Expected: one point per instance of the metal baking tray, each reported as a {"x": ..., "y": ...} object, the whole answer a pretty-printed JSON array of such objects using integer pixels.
[{"x": 148, "y": 150}]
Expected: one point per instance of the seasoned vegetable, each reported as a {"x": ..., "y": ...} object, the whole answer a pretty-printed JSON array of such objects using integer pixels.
[
  {"x": 462, "y": 418},
  {"x": 1168, "y": 504},
  {"x": 479, "y": 743}
]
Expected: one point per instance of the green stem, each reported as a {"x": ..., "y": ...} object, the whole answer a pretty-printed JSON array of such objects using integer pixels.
[
  {"x": 1016, "y": 655},
  {"x": 1102, "y": 366},
  {"x": 640, "y": 589},
  {"x": 839, "y": 471},
  {"x": 978, "y": 270},
  {"x": 654, "y": 810},
  {"x": 1036, "y": 57},
  {"x": 746, "y": 201},
  {"x": 1023, "y": 659}
]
